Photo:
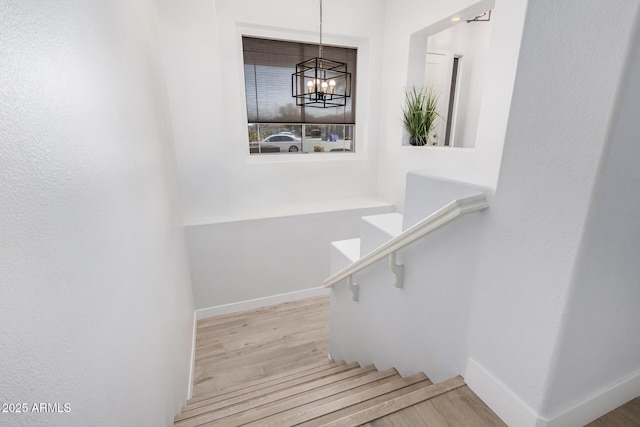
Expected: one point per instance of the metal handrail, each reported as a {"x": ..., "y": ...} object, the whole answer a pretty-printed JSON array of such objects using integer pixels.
[{"x": 447, "y": 213}]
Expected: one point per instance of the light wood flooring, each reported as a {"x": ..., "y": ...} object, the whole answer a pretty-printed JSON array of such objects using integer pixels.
[
  {"x": 238, "y": 348},
  {"x": 627, "y": 415}
]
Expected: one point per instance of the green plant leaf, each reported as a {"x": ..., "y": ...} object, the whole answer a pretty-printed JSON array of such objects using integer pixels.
[{"x": 420, "y": 113}]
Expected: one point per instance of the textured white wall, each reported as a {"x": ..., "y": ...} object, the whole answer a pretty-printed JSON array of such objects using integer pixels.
[
  {"x": 203, "y": 54},
  {"x": 563, "y": 101},
  {"x": 599, "y": 345},
  {"x": 96, "y": 308}
]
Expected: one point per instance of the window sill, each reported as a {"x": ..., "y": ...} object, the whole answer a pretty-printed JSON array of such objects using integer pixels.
[
  {"x": 292, "y": 209},
  {"x": 258, "y": 159}
]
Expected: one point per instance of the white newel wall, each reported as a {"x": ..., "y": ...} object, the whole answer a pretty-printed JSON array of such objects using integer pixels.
[
  {"x": 96, "y": 308},
  {"x": 424, "y": 325}
]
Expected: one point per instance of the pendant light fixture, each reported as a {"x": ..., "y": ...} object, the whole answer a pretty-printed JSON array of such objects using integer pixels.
[{"x": 320, "y": 82}]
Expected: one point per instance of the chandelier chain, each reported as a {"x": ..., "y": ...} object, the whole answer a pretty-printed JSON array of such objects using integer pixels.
[{"x": 320, "y": 49}]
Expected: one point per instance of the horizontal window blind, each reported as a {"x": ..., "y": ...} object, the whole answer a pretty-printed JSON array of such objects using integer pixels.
[{"x": 268, "y": 65}]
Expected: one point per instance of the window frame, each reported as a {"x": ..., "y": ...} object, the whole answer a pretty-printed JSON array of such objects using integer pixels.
[{"x": 362, "y": 81}]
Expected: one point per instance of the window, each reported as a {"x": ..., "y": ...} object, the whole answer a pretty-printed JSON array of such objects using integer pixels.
[{"x": 275, "y": 123}]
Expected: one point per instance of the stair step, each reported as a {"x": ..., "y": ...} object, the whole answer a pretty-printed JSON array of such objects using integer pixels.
[
  {"x": 376, "y": 230},
  {"x": 397, "y": 403},
  {"x": 319, "y": 412},
  {"x": 292, "y": 416},
  {"x": 227, "y": 411},
  {"x": 216, "y": 402},
  {"x": 408, "y": 385},
  {"x": 251, "y": 381},
  {"x": 267, "y": 381},
  {"x": 459, "y": 407},
  {"x": 344, "y": 253},
  {"x": 257, "y": 415}
]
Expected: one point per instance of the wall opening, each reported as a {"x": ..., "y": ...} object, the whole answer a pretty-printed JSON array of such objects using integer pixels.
[{"x": 450, "y": 57}]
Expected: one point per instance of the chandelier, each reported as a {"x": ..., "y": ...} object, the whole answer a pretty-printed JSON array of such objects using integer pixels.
[{"x": 320, "y": 82}]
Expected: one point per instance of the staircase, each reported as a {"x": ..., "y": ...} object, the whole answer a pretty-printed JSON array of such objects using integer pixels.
[
  {"x": 268, "y": 367},
  {"x": 336, "y": 394}
]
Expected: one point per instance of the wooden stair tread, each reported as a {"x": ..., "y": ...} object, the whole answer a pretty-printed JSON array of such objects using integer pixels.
[
  {"x": 422, "y": 381},
  {"x": 270, "y": 380},
  {"x": 342, "y": 401},
  {"x": 398, "y": 403},
  {"x": 458, "y": 407},
  {"x": 330, "y": 391},
  {"x": 245, "y": 394},
  {"x": 300, "y": 389},
  {"x": 291, "y": 416}
]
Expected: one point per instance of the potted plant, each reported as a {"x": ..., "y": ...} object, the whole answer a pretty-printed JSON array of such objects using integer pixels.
[{"x": 419, "y": 114}]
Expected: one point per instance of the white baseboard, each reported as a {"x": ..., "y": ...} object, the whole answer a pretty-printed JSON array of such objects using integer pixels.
[
  {"x": 598, "y": 405},
  {"x": 203, "y": 313},
  {"x": 193, "y": 356},
  {"x": 504, "y": 402},
  {"x": 516, "y": 413}
]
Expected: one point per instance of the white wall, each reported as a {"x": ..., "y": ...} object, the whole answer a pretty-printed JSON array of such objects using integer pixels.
[
  {"x": 471, "y": 41},
  {"x": 563, "y": 103},
  {"x": 236, "y": 261},
  {"x": 191, "y": 61},
  {"x": 203, "y": 55},
  {"x": 599, "y": 345},
  {"x": 96, "y": 308},
  {"x": 480, "y": 165}
]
